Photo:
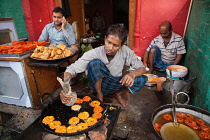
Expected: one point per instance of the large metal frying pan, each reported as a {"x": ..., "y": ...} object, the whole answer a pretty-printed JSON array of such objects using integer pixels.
[
  {"x": 63, "y": 113},
  {"x": 195, "y": 111}
]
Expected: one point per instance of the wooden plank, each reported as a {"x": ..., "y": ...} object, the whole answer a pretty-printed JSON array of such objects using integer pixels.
[
  {"x": 132, "y": 10},
  {"x": 10, "y": 59}
]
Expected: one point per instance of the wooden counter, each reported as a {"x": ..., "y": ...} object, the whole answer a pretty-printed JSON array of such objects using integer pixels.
[{"x": 40, "y": 76}]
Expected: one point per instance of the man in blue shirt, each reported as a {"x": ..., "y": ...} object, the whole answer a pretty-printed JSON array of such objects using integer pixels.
[{"x": 59, "y": 31}]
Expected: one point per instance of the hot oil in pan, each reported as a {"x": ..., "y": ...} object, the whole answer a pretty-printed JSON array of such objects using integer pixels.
[{"x": 170, "y": 135}]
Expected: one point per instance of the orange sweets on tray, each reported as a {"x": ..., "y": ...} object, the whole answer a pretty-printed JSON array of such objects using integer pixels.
[
  {"x": 81, "y": 119},
  {"x": 74, "y": 120},
  {"x": 86, "y": 98},
  {"x": 61, "y": 129},
  {"x": 98, "y": 109},
  {"x": 72, "y": 129},
  {"x": 91, "y": 121},
  {"x": 83, "y": 115},
  {"x": 79, "y": 101},
  {"x": 97, "y": 115},
  {"x": 95, "y": 103},
  {"x": 19, "y": 47},
  {"x": 48, "y": 119}
]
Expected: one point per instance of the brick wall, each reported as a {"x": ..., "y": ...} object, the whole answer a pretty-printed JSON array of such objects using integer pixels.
[
  {"x": 13, "y": 9},
  {"x": 197, "y": 59}
]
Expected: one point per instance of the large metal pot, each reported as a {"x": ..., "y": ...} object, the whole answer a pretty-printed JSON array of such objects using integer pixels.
[
  {"x": 195, "y": 111},
  {"x": 63, "y": 113}
]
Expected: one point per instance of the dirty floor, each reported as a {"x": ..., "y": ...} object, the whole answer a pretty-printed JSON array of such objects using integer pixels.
[{"x": 134, "y": 122}]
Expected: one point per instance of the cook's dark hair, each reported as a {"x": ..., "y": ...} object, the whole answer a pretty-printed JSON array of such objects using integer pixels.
[
  {"x": 59, "y": 10},
  {"x": 118, "y": 30}
]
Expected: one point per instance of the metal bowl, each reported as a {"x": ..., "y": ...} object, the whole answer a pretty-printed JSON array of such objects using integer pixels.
[{"x": 88, "y": 40}]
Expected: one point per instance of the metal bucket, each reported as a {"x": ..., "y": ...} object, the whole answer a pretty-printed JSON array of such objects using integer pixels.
[{"x": 181, "y": 89}]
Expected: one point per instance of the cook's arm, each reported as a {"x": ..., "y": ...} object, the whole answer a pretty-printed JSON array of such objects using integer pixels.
[
  {"x": 145, "y": 59},
  {"x": 178, "y": 59},
  {"x": 65, "y": 98},
  {"x": 128, "y": 79}
]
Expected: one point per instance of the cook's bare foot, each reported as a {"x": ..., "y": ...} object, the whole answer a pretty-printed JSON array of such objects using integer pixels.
[{"x": 123, "y": 102}]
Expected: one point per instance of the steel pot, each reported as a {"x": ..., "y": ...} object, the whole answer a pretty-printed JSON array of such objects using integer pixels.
[
  {"x": 63, "y": 113},
  {"x": 195, "y": 111},
  {"x": 179, "y": 86}
]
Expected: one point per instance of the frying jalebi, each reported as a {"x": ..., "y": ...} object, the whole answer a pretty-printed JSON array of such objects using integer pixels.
[
  {"x": 61, "y": 129},
  {"x": 91, "y": 121},
  {"x": 86, "y": 98},
  {"x": 95, "y": 103},
  {"x": 157, "y": 127},
  {"x": 204, "y": 135},
  {"x": 98, "y": 109},
  {"x": 180, "y": 120},
  {"x": 200, "y": 121},
  {"x": 48, "y": 119},
  {"x": 82, "y": 126},
  {"x": 97, "y": 115},
  {"x": 79, "y": 101},
  {"x": 180, "y": 115},
  {"x": 189, "y": 116},
  {"x": 167, "y": 117},
  {"x": 189, "y": 122},
  {"x": 72, "y": 129},
  {"x": 54, "y": 124},
  {"x": 83, "y": 115},
  {"x": 196, "y": 127},
  {"x": 205, "y": 128},
  {"x": 74, "y": 120}
]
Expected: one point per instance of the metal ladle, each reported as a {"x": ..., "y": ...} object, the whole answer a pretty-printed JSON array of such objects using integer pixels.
[{"x": 173, "y": 98}]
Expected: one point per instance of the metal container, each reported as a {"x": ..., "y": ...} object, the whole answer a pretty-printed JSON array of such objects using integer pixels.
[
  {"x": 88, "y": 40},
  {"x": 179, "y": 86}
]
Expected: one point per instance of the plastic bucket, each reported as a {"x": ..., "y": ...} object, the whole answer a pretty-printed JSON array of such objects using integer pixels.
[{"x": 178, "y": 72}]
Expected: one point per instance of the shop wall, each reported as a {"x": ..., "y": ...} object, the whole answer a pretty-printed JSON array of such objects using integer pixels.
[
  {"x": 197, "y": 58},
  {"x": 13, "y": 9},
  {"x": 149, "y": 15}
]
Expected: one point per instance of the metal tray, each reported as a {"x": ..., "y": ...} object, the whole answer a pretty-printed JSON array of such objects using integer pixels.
[
  {"x": 17, "y": 55},
  {"x": 150, "y": 84},
  {"x": 72, "y": 50}
]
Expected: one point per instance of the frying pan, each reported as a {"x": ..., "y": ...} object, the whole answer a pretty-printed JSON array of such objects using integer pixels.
[
  {"x": 63, "y": 113},
  {"x": 195, "y": 111}
]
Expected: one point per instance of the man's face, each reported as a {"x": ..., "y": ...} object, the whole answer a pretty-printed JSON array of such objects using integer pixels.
[
  {"x": 165, "y": 32},
  {"x": 112, "y": 45},
  {"x": 57, "y": 18}
]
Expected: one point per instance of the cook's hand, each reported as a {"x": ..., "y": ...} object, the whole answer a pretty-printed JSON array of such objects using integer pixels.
[
  {"x": 64, "y": 98},
  {"x": 128, "y": 80},
  {"x": 64, "y": 22}
]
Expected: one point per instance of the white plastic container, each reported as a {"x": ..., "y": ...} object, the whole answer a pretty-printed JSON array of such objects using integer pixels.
[{"x": 178, "y": 71}]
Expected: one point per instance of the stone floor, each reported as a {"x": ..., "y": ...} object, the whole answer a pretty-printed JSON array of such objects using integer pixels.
[{"x": 134, "y": 122}]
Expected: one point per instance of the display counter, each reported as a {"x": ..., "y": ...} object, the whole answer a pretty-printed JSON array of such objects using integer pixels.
[{"x": 25, "y": 80}]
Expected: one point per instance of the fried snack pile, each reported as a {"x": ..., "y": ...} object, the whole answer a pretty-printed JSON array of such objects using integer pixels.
[
  {"x": 18, "y": 47},
  {"x": 51, "y": 52}
]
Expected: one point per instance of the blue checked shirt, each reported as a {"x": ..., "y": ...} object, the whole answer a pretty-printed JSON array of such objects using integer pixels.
[{"x": 56, "y": 37}]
